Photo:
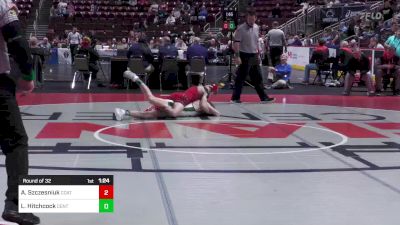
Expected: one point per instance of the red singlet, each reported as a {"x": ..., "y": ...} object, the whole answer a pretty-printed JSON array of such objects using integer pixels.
[{"x": 185, "y": 98}]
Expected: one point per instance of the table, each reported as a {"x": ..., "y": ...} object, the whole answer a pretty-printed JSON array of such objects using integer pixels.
[{"x": 119, "y": 65}]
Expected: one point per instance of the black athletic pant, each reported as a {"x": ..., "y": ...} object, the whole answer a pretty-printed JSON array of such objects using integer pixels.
[
  {"x": 250, "y": 66},
  {"x": 13, "y": 137},
  {"x": 74, "y": 49},
  {"x": 275, "y": 54}
]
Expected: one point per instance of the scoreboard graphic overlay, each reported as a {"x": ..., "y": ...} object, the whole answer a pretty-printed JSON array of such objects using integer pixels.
[{"x": 66, "y": 194}]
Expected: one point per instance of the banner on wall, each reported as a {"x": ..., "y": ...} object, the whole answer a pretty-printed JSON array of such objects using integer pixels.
[
  {"x": 298, "y": 57},
  {"x": 330, "y": 15},
  {"x": 64, "y": 56},
  {"x": 351, "y": 11}
]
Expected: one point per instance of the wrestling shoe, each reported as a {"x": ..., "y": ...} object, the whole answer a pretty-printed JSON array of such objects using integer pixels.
[
  {"x": 11, "y": 214},
  {"x": 131, "y": 75},
  {"x": 267, "y": 100},
  {"x": 235, "y": 101},
  {"x": 119, "y": 114}
]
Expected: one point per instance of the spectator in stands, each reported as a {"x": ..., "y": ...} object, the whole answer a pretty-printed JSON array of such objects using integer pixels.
[
  {"x": 305, "y": 5},
  {"x": 296, "y": 41},
  {"x": 38, "y": 55},
  {"x": 387, "y": 11},
  {"x": 261, "y": 47},
  {"x": 368, "y": 32},
  {"x": 114, "y": 43},
  {"x": 53, "y": 11},
  {"x": 276, "y": 11},
  {"x": 87, "y": 50},
  {"x": 308, "y": 42},
  {"x": 74, "y": 39},
  {"x": 154, "y": 7},
  {"x": 264, "y": 28},
  {"x": 131, "y": 38},
  {"x": 123, "y": 45},
  {"x": 185, "y": 18},
  {"x": 70, "y": 9},
  {"x": 353, "y": 44},
  {"x": 290, "y": 39},
  {"x": 386, "y": 66},
  {"x": 343, "y": 27},
  {"x": 196, "y": 49},
  {"x": 133, "y": 2},
  {"x": 162, "y": 13},
  {"x": 343, "y": 56},
  {"x": 212, "y": 51},
  {"x": 358, "y": 67},
  {"x": 45, "y": 44},
  {"x": 186, "y": 7},
  {"x": 168, "y": 49},
  {"x": 152, "y": 44},
  {"x": 141, "y": 49},
  {"x": 276, "y": 41},
  {"x": 394, "y": 42},
  {"x": 180, "y": 44},
  {"x": 170, "y": 20},
  {"x": 93, "y": 8},
  {"x": 281, "y": 73},
  {"x": 373, "y": 43},
  {"x": 176, "y": 12},
  {"x": 62, "y": 7},
  {"x": 319, "y": 56},
  {"x": 203, "y": 13}
]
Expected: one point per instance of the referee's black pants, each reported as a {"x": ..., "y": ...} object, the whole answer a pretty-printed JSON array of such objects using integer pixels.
[
  {"x": 74, "y": 50},
  {"x": 250, "y": 66},
  {"x": 13, "y": 138},
  {"x": 275, "y": 54}
]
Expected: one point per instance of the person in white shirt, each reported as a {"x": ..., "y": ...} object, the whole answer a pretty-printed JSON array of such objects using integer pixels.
[
  {"x": 170, "y": 20},
  {"x": 45, "y": 44},
  {"x": 74, "y": 39},
  {"x": 176, "y": 13},
  {"x": 180, "y": 44},
  {"x": 62, "y": 7},
  {"x": 373, "y": 43}
]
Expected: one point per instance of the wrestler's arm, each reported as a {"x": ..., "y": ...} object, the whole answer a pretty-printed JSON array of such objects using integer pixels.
[{"x": 206, "y": 107}]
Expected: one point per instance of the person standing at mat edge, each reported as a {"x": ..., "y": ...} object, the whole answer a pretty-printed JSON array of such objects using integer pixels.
[
  {"x": 13, "y": 137},
  {"x": 276, "y": 41},
  {"x": 247, "y": 56},
  {"x": 74, "y": 40}
]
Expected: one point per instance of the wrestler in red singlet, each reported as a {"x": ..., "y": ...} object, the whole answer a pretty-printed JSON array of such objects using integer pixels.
[{"x": 186, "y": 97}]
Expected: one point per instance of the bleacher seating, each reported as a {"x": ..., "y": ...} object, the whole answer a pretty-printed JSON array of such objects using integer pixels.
[{"x": 113, "y": 19}]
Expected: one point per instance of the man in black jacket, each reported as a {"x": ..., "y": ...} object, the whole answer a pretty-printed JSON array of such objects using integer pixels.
[
  {"x": 88, "y": 50},
  {"x": 358, "y": 66},
  {"x": 39, "y": 54},
  {"x": 141, "y": 49},
  {"x": 13, "y": 137}
]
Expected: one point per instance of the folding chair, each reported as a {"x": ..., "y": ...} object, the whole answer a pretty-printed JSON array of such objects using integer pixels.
[
  {"x": 82, "y": 67},
  {"x": 324, "y": 69},
  {"x": 197, "y": 68},
  {"x": 169, "y": 66},
  {"x": 135, "y": 64}
]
